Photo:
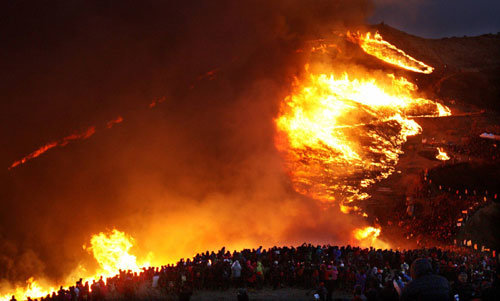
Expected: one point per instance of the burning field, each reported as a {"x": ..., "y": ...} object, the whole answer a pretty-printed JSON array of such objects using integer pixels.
[
  {"x": 341, "y": 134},
  {"x": 141, "y": 135}
]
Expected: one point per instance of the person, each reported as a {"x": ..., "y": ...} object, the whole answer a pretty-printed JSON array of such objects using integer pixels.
[
  {"x": 236, "y": 272},
  {"x": 388, "y": 292},
  {"x": 358, "y": 293},
  {"x": 463, "y": 289},
  {"x": 185, "y": 292},
  {"x": 13, "y": 298},
  {"x": 321, "y": 292},
  {"x": 276, "y": 275},
  {"x": 425, "y": 285},
  {"x": 259, "y": 271},
  {"x": 492, "y": 292},
  {"x": 331, "y": 274},
  {"x": 242, "y": 295},
  {"x": 155, "y": 280}
]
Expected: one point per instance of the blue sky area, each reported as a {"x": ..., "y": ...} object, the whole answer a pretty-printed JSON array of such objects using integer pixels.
[{"x": 439, "y": 18}]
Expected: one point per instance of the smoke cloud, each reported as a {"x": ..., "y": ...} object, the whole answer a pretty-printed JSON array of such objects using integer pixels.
[{"x": 196, "y": 171}]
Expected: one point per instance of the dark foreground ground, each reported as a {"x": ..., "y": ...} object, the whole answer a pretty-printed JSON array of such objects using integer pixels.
[{"x": 264, "y": 294}]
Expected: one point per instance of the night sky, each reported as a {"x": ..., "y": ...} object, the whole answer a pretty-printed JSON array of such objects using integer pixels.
[{"x": 439, "y": 18}]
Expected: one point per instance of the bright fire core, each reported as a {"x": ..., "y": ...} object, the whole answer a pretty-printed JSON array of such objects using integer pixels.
[
  {"x": 376, "y": 46},
  {"x": 110, "y": 250},
  {"x": 340, "y": 134}
]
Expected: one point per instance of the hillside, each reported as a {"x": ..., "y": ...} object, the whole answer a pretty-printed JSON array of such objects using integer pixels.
[{"x": 467, "y": 68}]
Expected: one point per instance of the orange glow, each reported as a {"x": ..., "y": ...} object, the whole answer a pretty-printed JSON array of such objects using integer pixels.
[
  {"x": 210, "y": 75},
  {"x": 63, "y": 142},
  {"x": 324, "y": 48},
  {"x": 111, "y": 123},
  {"x": 368, "y": 232},
  {"x": 340, "y": 134},
  {"x": 34, "y": 154},
  {"x": 442, "y": 155},
  {"x": 32, "y": 288},
  {"x": 376, "y": 46},
  {"x": 368, "y": 237},
  {"x": 157, "y": 101},
  {"x": 112, "y": 253}
]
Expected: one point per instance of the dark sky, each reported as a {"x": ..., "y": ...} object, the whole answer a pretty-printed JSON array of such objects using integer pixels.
[{"x": 439, "y": 18}]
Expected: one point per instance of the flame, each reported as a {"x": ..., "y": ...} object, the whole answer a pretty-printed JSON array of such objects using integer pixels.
[
  {"x": 112, "y": 122},
  {"x": 210, "y": 75},
  {"x": 442, "y": 155},
  {"x": 77, "y": 136},
  {"x": 112, "y": 253},
  {"x": 324, "y": 48},
  {"x": 443, "y": 110},
  {"x": 376, "y": 46},
  {"x": 368, "y": 232},
  {"x": 339, "y": 135},
  {"x": 368, "y": 237},
  {"x": 32, "y": 288},
  {"x": 157, "y": 101},
  {"x": 63, "y": 142}
]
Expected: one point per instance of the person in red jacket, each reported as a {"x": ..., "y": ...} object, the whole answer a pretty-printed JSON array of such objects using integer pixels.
[{"x": 331, "y": 274}]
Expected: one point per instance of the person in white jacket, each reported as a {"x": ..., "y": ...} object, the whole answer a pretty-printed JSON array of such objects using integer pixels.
[{"x": 236, "y": 272}]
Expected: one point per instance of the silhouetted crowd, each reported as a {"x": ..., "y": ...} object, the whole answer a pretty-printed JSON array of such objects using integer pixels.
[
  {"x": 477, "y": 147},
  {"x": 323, "y": 271},
  {"x": 435, "y": 213},
  {"x": 437, "y": 218}
]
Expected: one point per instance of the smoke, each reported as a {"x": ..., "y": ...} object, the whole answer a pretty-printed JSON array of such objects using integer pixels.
[{"x": 196, "y": 170}]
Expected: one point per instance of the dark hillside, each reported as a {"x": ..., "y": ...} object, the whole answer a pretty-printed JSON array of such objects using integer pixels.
[{"x": 467, "y": 68}]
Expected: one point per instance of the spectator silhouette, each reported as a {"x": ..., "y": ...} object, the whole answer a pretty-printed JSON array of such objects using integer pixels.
[{"x": 425, "y": 285}]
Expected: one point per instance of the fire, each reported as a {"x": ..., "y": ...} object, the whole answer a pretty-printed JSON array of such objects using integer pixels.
[
  {"x": 442, "y": 155},
  {"x": 63, "y": 142},
  {"x": 368, "y": 232},
  {"x": 210, "y": 75},
  {"x": 340, "y": 134},
  {"x": 376, "y": 46},
  {"x": 66, "y": 140},
  {"x": 112, "y": 122},
  {"x": 33, "y": 288},
  {"x": 112, "y": 253},
  {"x": 368, "y": 237},
  {"x": 324, "y": 48},
  {"x": 157, "y": 101}
]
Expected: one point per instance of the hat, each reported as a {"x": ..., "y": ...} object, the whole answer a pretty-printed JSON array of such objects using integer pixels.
[{"x": 420, "y": 267}]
